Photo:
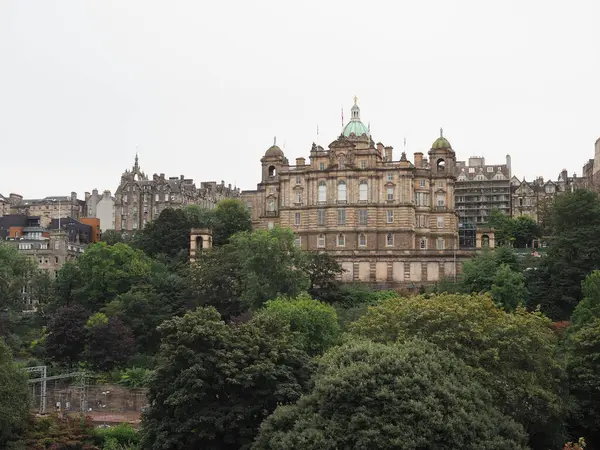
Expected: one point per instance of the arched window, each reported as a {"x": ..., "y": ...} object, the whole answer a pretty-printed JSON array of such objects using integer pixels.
[
  {"x": 322, "y": 192},
  {"x": 363, "y": 191},
  {"x": 342, "y": 191},
  {"x": 341, "y": 240},
  {"x": 389, "y": 240},
  {"x": 485, "y": 240},
  {"x": 362, "y": 240},
  {"x": 271, "y": 205},
  {"x": 441, "y": 165},
  {"x": 272, "y": 171}
]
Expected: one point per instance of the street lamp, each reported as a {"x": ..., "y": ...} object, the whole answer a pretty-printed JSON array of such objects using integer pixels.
[{"x": 105, "y": 393}]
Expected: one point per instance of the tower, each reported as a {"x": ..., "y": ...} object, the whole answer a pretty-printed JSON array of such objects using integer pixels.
[{"x": 200, "y": 240}]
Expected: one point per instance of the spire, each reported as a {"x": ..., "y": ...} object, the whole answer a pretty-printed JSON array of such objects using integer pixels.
[
  {"x": 274, "y": 141},
  {"x": 441, "y": 132},
  {"x": 355, "y": 99}
]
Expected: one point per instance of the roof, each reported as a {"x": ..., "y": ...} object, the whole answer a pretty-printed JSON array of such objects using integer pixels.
[
  {"x": 355, "y": 127},
  {"x": 274, "y": 152}
]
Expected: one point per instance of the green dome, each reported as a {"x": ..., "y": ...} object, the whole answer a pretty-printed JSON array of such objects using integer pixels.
[
  {"x": 356, "y": 127},
  {"x": 441, "y": 142}
]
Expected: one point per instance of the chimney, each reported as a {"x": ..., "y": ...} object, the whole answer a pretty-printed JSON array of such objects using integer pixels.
[
  {"x": 388, "y": 153},
  {"x": 380, "y": 148},
  {"x": 87, "y": 196},
  {"x": 300, "y": 161},
  {"x": 418, "y": 160}
]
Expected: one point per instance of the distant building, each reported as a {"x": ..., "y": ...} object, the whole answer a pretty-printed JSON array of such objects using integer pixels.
[
  {"x": 480, "y": 188},
  {"x": 138, "y": 199},
  {"x": 47, "y": 208},
  {"x": 101, "y": 207}
]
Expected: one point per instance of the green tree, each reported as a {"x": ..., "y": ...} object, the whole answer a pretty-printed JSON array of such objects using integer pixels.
[
  {"x": 65, "y": 335},
  {"x": 168, "y": 235},
  {"x": 112, "y": 237},
  {"x": 214, "y": 383},
  {"x": 323, "y": 272},
  {"x": 231, "y": 216},
  {"x": 524, "y": 230},
  {"x": 588, "y": 309},
  {"x": 409, "y": 396},
  {"x": 14, "y": 397},
  {"x": 503, "y": 227},
  {"x": 514, "y": 354},
  {"x": 508, "y": 288},
  {"x": 315, "y": 323},
  {"x": 109, "y": 343},
  {"x": 16, "y": 272},
  {"x": 103, "y": 272},
  {"x": 582, "y": 356}
]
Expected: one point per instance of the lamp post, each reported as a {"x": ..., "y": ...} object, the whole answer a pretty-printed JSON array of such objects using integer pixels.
[{"x": 105, "y": 393}]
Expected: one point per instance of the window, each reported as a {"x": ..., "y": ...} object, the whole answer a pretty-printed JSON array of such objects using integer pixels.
[
  {"x": 423, "y": 243},
  {"x": 440, "y": 222},
  {"x": 341, "y": 240},
  {"x": 298, "y": 197},
  {"x": 297, "y": 219},
  {"x": 341, "y": 217},
  {"x": 342, "y": 191},
  {"x": 363, "y": 191},
  {"x": 440, "y": 243},
  {"x": 489, "y": 169},
  {"x": 362, "y": 240},
  {"x": 271, "y": 205},
  {"x": 471, "y": 169},
  {"x": 270, "y": 225},
  {"x": 321, "y": 217},
  {"x": 272, "y": 171},
  {"x": 390, "y": 216},
  {"x": 298, "y": 179},
  {"x": 321, "y": 166},
  {"x": 155, "y": 197},
  {"x": 420, "y": 221},
  {"x": 390, "y": 176},
  {"x": 441, "y": 201},
  {"x": 363, "y": 217},
  {"x": 389, "y": 240},
  {"x": 422, "y": 183},
  {"x": 363, "y": 164},
  {"x": 321, "y": 241},
  {"x": 390, "y": 193},
  {"x": 322, "y": 196},
  {"x": 298, "y": 241}
]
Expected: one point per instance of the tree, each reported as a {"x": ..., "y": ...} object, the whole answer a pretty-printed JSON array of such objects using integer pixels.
[
  {"x": 112, "y": 237},
  {"x": 270, "y": 265},
  {"x": 514, "y": 354},
  {"x": 231, "y": 217},
  {"x": 323, "y": 271},
  {"x": 573, "y": 253},
  {"x": 508, "y": 288},
  {"x": 16, "y": 271},
  {"x": 315, "y": 323},
  {"x": 524, "y": 230},
  {"x": 109, "y": 343},
  {"x": 14, "y": 397},
  {"x": 65, "y": 334},
  {"x": 588, "y": 309},
  {"x": 214, "y": 383},
  {"x": 503, "y": 227},
  {"x": 103, "y": 272},
  {"x": 409, "y": 396},
  {"x": 582, "y": 356}
]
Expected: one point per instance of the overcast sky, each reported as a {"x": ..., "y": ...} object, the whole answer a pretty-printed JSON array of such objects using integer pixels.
[{"x": 202, "y": 87}]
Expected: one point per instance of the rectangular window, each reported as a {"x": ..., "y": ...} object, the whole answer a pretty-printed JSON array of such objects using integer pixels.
[
  {"x": 297, "y": 218},
  {"x": 321, "y": 241},
  {"x": 321, "y": 166},
  {"x": 440, "y": 222},
  {"x": 422, "y": 183},
  {"x": 341, "y": 216},
  {"x": 321, "y": 217},
  {"x": 298, "y": 241},
  {"x": 298, "y": 179},
  {"x": 423, "y": 244},
  {"x": 270, "y": 225},
  {"x": 298, "y": 197},
  {"x": 390, "y": 216},
  {"x": 341, "y": 240},
  {"x": 390, "y": 176},
  {"x": 390, "y": 193},
  {"x": 441, "y": 201},
  {"x": 440, "y": 244},
  {"x": 363, "y": 164},
  {"x": 362, "y": 240},
  {"x": 363, "y": 217},
  {"x": 389, "y": 240}
]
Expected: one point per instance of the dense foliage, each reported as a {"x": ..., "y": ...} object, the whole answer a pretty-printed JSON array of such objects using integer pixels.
[
  {"x": 410, "y": 396},
  {"x": 14, "y": 397}
]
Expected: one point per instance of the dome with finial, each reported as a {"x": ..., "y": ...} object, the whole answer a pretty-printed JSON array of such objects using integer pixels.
[
  {"x": 355, "y": 126},
  {"x": 274, "y": 151},
  {"x": 441, "y": 142}
]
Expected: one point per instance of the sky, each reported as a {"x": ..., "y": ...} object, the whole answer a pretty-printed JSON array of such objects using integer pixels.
[{"x": 201, "y": 88}]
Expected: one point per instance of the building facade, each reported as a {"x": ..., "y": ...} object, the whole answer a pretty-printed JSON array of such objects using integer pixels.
[
  {"x": 47, "y": 208},
  {"x": 480, "y": 188},
  {"x": 101, "y": 207},
  {"x": 385, "y": 220},
  {"x": 138, "y": 199}
]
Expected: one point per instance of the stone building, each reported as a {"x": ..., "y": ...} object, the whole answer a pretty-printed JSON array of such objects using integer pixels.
[
  {"x": 101, "y": 207},
  {"x": 386, "y": 220},
  {"x": 47, "y": 208},
  {"x": 480, "y": 188},
  {"x": 139, "y": 199},
  {"x": 533, "y": 198}
]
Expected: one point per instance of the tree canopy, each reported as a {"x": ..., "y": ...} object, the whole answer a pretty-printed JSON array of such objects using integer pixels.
[
  {"x": 14, "y": 396},
  {"x": 411, "y": 396}
]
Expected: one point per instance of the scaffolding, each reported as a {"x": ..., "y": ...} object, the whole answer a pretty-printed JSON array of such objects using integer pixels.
[{"x": 43, "y": 380}]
